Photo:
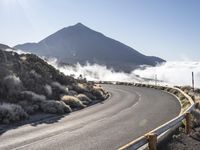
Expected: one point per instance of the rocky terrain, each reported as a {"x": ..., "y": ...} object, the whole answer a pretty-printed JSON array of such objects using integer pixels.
[{"x": 28, "y": 85}]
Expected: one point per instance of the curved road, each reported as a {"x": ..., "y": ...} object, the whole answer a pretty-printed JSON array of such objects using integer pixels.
[{"x": 128, "y": 114}]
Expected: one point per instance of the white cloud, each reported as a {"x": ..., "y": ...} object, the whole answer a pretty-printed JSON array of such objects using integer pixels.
[
  {"x": 94, "y": 72},
  {"x": 176, "y": 73},
  {"x": 173, "y": 73}
]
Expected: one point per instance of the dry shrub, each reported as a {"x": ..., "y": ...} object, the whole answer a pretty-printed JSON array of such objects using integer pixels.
[
  {"x": 160, "y": 88},
  {"x": 197, "y": 91},
  {"x": 90, "y": 95},
  {"x": 167, "y": 89},
  {"x": 80, "y": 87},
  {"x": 174, "y": 91},
  {"x": 62, "y": 88},
  {"x": 196, "y": 117},
  {"x": 185, "y": 103},
  {"x": 84, "y": 99},
  {"x": 99, "y": 93},
  {"x": 197, "y": 99},
  {"x": 186, "y": 91},
  {"x": 197, "y": 106},
  {"x": 181, "y": 96},
  {"x": 48, "y": 90},
  {"x": 72, "y": 101},
  {"x": 11, "y": 113},
  {"x": 34, "y": 97},
  {"x": 55, "y": 107},
  {"x": 185, "y": 88},
  {"x": 12, "y": 83},
  {"x": 72, "y": 92},
  {"x": 29, "y": 107}
]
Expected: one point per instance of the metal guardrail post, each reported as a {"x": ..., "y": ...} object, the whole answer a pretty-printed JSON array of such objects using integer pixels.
[
  {"x": 188, "y": 123},
  {"x": 152, "y": 139}
]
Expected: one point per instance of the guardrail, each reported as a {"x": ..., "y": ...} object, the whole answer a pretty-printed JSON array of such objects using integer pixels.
[{"x": 151, "y": 137}]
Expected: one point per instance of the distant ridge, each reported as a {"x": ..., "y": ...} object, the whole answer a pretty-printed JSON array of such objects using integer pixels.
[
  {"x": 81, "y": 44},
  {"x": 3, "y": 47}
]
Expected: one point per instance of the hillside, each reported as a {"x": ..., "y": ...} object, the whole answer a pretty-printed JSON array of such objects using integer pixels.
[
  {"x": 79, "y": 43},
  {"x": 29, "y": 85},
  {"x": 3, "y": 47}
]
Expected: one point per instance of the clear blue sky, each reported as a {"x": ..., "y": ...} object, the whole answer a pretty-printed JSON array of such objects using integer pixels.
[{"x": 166, "y": 28}]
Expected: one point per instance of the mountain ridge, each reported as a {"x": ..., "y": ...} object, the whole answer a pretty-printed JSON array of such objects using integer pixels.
[
  {"x": 78, "y": 43},
  {"x": 3, "y": 46}
]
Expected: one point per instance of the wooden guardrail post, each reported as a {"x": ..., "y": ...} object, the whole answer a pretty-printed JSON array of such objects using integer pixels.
[
  {"x": 152, "y": 139},
  {"x": 188, "y": 123}
]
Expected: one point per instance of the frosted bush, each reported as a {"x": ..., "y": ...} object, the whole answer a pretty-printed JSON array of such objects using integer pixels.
[
  {"x": 84, "y": 99},
  {"x": 72, "y": 101},
  {"x": 55, "y": 107},
  {"x": 11, "y": 113}
]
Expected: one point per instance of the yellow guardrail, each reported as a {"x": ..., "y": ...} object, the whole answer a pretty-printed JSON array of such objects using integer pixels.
[{"x": 151, "y": 137}]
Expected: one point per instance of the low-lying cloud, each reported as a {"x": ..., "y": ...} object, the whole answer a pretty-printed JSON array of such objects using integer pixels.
[
  {"x": 18, "y": 51},
  {"x": 94, "y": 72},
  {"x": 176, "y": 73},
  {"x": 173, "y": 73}
]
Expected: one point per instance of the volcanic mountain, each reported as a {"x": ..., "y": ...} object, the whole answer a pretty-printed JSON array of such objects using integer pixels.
[{"x": 81, "y": 44}]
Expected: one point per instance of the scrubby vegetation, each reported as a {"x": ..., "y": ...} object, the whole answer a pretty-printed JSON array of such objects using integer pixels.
[
  {"x": 11, "y": 113},
  {"x": 29, "y": 85},
  {"x": 53, "y": 106},
  {"x": 72, "y": 101},
  {"x": 84, "y": 99}
]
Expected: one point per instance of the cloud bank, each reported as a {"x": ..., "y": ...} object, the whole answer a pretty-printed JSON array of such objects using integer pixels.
[
  {"x": 94, "y": 72},
  {"x": 172, "y": 73}
]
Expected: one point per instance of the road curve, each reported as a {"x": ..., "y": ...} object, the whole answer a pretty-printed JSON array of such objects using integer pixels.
[{"x": 129, "y": 113}]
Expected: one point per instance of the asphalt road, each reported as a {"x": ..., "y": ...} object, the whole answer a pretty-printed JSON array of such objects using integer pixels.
[{"x": 129, "y": 113}]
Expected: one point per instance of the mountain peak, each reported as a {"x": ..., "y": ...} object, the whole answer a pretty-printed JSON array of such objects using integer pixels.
[
  {"x": 79, "y": 24},
  {"x": 76, "y": 26}
]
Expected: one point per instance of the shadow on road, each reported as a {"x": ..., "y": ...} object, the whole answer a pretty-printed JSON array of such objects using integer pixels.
[
  {"x": 40, "y": 118},
  {"x": 34, "y": 120}
]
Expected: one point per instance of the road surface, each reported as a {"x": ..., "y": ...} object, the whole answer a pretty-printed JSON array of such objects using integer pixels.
[{"x": 129, "y": 113}]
